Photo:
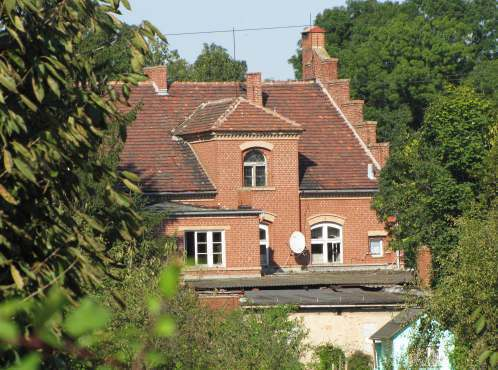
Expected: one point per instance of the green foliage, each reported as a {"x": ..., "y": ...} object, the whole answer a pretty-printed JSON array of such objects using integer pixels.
[
  {"x": 215, "y": 64},
  {"x": 465, "y": 301},
  {"x": 68, "y": 333},
  {"x": 264, "y": 339},
  {"x": 112, "y": 57},
  {"x": 55, "y": 111},
  {"x": 327, "y": 356},
  {"x": 359, "y": 361},
  {"x": 436, "y": 174},
  {"x": 484, "y": 79},
  {"x": 399, "y": 55}
]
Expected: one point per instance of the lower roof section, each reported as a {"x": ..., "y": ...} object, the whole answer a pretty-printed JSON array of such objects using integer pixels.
[
  {"x": 391, "y": 328},
  {"x": 308, "y": 279},
  {"x": 328, "y": 297}
]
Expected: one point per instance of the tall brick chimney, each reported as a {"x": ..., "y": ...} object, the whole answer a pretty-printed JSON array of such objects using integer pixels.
[
  {"x": 424, "y": 266},
  {"x": 254, "y": 89},
  {"x": 158, "y": 75},
  {"x": 317, "y": 64}
]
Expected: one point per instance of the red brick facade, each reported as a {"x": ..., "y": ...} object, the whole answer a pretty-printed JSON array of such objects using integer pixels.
[{"x": 318, "y": 151}]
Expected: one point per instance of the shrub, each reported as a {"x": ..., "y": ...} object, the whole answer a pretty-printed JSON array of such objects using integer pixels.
[
  {"x": 330, "y": 357},
  {"x": 359, "y": 361}
]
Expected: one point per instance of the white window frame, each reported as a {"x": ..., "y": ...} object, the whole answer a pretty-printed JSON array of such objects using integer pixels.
[
  {"x": 209, "y": 247},
  {"x": 253, "y": 166},
  {"x": 266, "y": 244},
  {"x": 324, "y": 240},
  {"x": 374, "y": 239}
]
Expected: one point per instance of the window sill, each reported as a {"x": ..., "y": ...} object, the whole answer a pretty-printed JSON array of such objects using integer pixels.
[
  {"x": 378, "y": 255},
  {"x": 258, "y": 188},
  {"x": 204, "y": 268}
]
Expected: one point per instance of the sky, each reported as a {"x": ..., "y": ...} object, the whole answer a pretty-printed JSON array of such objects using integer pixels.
[{"x": 265, "y": 51}]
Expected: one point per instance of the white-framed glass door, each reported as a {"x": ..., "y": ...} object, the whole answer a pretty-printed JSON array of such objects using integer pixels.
[
  {"x": 209, "y": 248},
  {"x": 264, "y": 245},
  {"x": 326, "y": 244}
]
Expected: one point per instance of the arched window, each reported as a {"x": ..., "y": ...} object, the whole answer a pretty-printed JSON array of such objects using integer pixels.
[
  {"x": 254, "y": 169},
  {"x": 326, "y": 243}
]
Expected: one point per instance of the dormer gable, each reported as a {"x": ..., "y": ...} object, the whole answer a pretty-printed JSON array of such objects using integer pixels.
[{"x": 234, "y": 115}]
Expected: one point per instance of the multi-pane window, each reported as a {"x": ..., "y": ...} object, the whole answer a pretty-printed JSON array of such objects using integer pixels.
[
  {"x": 263, "y": 245},
  {"x": 326, "y": 243},
  {"x": 376, "y": 247},
  {"x": 254, "y": 169},
  {"x": 205, "y": 248}
]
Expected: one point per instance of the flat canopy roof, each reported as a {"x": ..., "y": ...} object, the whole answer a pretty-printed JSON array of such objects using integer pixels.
[
  {"x": 178, "y": 209},
  {"x": 347, "y": 297},
  {"x": 307, "y": 279}
]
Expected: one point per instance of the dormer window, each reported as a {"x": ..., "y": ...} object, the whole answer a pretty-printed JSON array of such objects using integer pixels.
[{"x": 254, "y": 169}]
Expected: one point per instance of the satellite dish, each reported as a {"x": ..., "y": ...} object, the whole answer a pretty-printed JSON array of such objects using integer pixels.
[{"x": 297, "y": 242}]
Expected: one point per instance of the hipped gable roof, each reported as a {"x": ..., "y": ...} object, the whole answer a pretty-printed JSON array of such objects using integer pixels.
[
  {"x": 331, "y": 157},
  {"x": 234, "y": 114}
]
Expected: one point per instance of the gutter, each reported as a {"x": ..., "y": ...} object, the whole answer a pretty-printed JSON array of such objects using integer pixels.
[
  {"x": 218, "y": 213},
  {"x": 315, "y": 306},
  {"x": 180, "y": 193},
  {"x": 340, "y": 191}
]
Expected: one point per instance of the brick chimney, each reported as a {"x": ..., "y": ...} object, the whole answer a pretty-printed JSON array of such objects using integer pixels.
[
  {"x": 254, "y": 89},
  {"x": 158, "y": 75},
  {"x": 317, "y": 64},
  {"x": 424, "y": 266}
]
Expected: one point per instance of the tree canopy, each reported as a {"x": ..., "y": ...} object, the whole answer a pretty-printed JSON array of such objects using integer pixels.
[
  {"x": 439, "y": 173},
  {"x": 399, "y": 55},
  {"x": 112, "y": 57},
  {"x": 215, "y": 64}
]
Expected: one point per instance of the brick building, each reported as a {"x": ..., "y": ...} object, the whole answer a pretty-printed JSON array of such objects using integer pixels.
[{"x": 240, "y": 167}]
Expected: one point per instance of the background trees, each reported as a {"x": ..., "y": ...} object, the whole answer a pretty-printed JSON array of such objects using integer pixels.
[
  {"x": 399, "y": 55},
  {"x": 439, "y": 173},
  {"x": 112, "y": 57}
]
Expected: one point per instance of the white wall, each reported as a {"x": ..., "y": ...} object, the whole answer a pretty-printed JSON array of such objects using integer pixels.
[{"x": 350, "y": 330}]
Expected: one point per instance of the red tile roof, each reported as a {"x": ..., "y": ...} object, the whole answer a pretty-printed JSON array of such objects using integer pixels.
[
  {"x": 164, "y": 165},
  {"x": 331, "y": 155},
  {"x": 236, "y": 115}
]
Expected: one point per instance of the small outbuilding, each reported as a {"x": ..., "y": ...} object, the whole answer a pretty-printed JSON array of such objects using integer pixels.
[{"x": 391, "y": 344}]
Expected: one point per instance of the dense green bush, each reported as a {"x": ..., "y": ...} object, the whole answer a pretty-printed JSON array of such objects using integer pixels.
[
  {"x": 359, "y": 361},
  {"x": 329, "y": 357},
  {"x": 203, "y": 338}
]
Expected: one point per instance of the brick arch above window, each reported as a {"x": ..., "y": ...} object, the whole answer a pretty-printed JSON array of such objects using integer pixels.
[
  {"x": 256, "y": 144},
  {"x": 267, "y": 217},
  {"x": 326, "y": 218}
]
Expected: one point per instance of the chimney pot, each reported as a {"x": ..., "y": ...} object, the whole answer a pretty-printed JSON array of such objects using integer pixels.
[
  {"x": 254, "y": 88},
  {"x": 317, "y": 64},
  {"x": 159, "y": 76}
]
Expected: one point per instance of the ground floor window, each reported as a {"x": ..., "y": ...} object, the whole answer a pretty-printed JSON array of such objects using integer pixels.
[
  {"x": 205, "y": 248},
  {"x": 326, "y": 243},
  {"x": 264, "y": 245},
  {"x": 375, "y": 246}
]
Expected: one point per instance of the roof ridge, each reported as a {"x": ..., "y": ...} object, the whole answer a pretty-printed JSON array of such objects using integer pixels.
[
  {"x": 288, "y": 82},
  {"x": 351, "y": 127},
  {"x": 272, "y": 112},
  {"x": 227, "y": 113},
  {"x": 199, "y": 107},
  {"x": 219, "y": 101},
  {"x": 208, "y": 82}
]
